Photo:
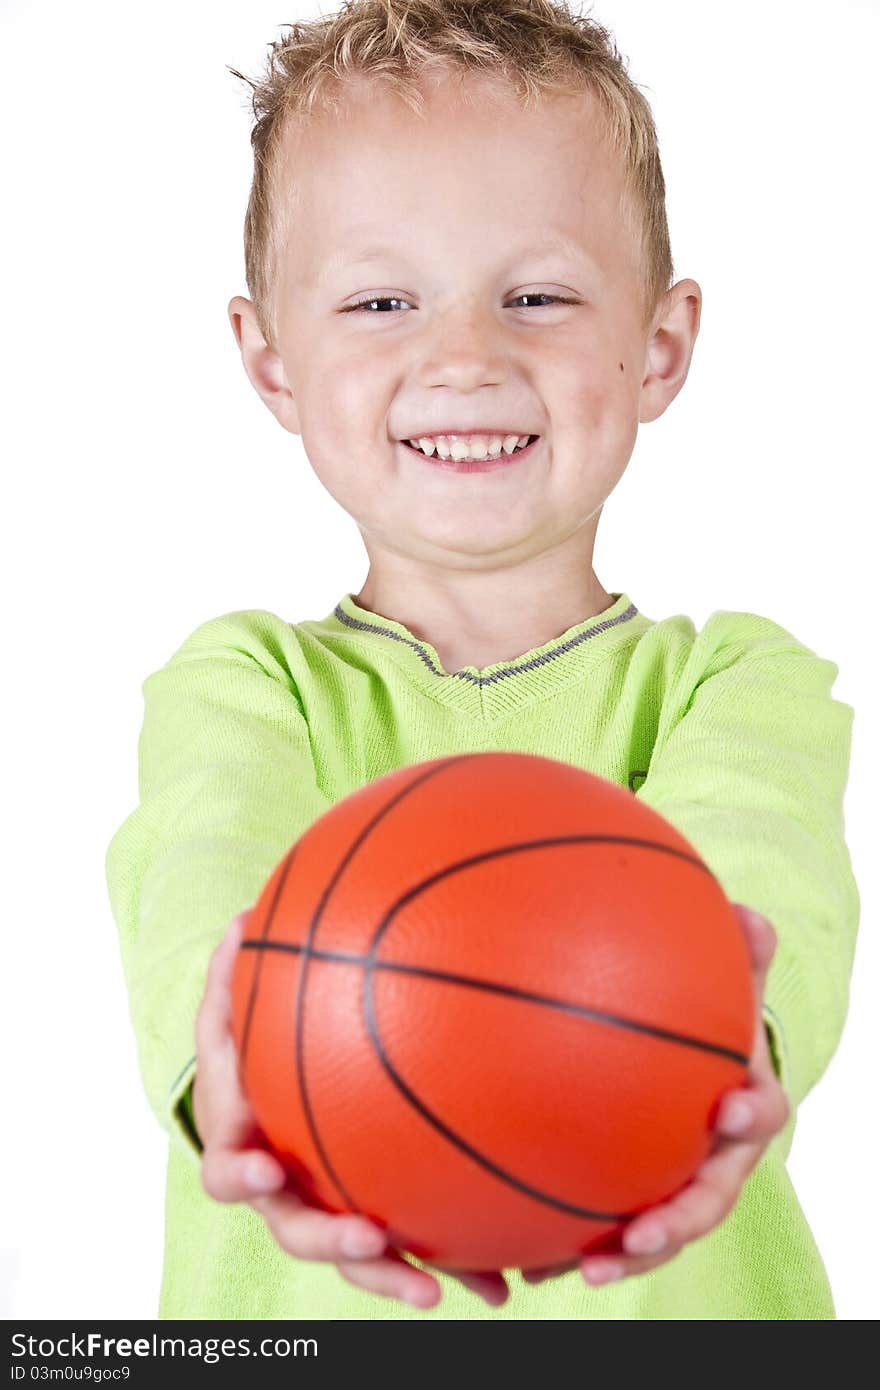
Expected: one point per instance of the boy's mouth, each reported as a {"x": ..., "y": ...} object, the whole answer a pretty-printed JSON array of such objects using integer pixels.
[{"x": 470, "y": 463}]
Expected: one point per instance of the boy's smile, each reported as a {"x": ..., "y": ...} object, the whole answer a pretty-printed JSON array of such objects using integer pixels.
[
  {"x": 471, "y": 451},
  {"x": 471, "y": 268}
]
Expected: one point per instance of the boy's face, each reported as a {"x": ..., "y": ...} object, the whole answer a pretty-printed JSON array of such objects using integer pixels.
[{"x": 449, "y": 217}]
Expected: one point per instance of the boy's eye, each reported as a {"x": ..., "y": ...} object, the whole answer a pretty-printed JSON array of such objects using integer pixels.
[
  {"x": 363, "y": 303},
  {"x": 390, "y": 299},
  {"x": 554, "y": 298}
]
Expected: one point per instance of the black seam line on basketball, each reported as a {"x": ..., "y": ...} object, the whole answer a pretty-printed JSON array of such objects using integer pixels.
[
  {"x": 255, "y": 981},
  {"x": 514, "y": 848},
  {"x": 372, "y": 1026},
  {"x": 465, "y": 675},
  {"x": 507, "y": 991},
  {"x": 417, "y": 780},
  {"x": 546, "y": 1198}
]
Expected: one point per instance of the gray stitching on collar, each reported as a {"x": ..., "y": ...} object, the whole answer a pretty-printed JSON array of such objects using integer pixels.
[{"x": 340, "y": 613}]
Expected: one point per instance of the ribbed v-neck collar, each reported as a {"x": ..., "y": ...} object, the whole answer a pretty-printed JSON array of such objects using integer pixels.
[{"x": 505, "y": 685}]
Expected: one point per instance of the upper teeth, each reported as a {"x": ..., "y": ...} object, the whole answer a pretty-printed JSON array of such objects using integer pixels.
[{"x": 475, "y": 446}]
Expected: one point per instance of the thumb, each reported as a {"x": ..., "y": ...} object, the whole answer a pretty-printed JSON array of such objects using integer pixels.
[
  {"x": 760, "y": 937},
  {"x": 212, "y": 1017},
  {"x": 235, "y": 1165}
]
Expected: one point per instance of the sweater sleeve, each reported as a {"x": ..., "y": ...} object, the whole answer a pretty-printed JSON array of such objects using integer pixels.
[
  {"x": 751, "y": 764},
  {"x": 226, "y": 784}
]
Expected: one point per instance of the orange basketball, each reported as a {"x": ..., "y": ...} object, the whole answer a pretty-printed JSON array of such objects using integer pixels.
[{"x": 491, "y": 1001}]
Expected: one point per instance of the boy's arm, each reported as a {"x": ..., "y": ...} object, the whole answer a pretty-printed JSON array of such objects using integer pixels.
[
  {"x": 751, "y": 763},
  {"x": 227, "y": 783}
]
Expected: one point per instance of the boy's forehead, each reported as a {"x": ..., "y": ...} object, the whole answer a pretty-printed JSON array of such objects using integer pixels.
[{"x": 540, "y": 179}]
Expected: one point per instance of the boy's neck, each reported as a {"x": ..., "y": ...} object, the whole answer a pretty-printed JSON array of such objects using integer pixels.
[{"x": 486, "y": 621}]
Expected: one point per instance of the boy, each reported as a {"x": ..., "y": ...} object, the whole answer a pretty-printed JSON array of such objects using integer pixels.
[{"x": 443, "y": 275}]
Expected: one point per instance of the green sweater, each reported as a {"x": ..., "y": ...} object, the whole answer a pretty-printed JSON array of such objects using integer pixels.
[{"x": 255, "y": 726}]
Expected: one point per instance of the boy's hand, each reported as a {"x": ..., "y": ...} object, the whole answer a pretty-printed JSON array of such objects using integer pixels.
[
  {"x": 753, "y": 1114},
  {"x": 237, "y": 1165}
]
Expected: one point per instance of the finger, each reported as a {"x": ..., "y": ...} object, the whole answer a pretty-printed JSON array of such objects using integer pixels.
[
  {"x": 311, "y": 1234},
  {"x": 608, "y": 1269},
  {"x": 236, "y": 1175},
  {"x": 754, "y": 1112},
  {"x": 760, "y": 937},
  {"x": 394, "y": 1277}
]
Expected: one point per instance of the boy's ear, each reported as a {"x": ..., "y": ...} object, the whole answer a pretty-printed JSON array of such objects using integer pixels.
[
  {"x": 264, "y": 367},
  {"x": 669, "y": 348}
]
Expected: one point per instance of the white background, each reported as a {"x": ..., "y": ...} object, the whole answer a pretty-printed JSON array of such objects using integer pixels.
[{"x": 147, "y": 489}]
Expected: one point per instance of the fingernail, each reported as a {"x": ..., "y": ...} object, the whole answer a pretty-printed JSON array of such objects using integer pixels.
[
  {"x": 604, "y": 1273},
  {"x": 360, "y": 1244},
  {"x": 737, "y": 1117},
  {"x": 647, "y": 1240}
]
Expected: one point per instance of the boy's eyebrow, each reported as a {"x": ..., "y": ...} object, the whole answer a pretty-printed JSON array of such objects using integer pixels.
[{"x": 360, "y": 256}]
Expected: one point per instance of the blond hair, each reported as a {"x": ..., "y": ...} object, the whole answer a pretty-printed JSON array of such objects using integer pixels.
[{"x": 536, "y": 47}]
